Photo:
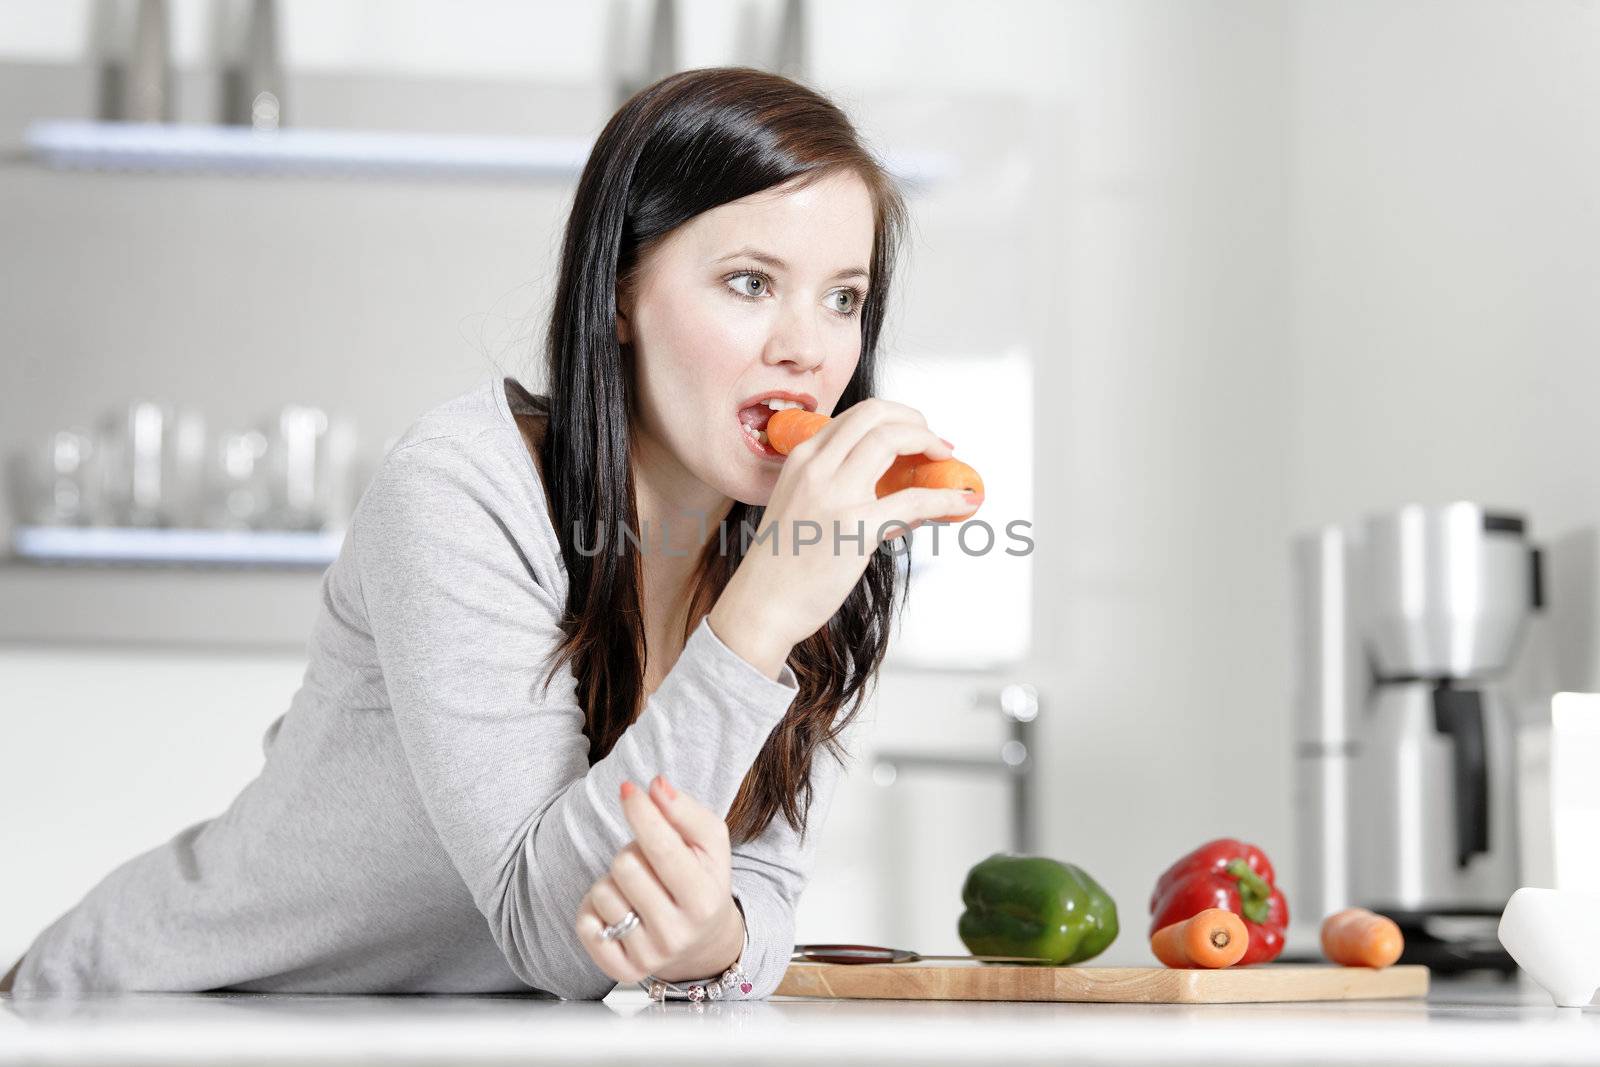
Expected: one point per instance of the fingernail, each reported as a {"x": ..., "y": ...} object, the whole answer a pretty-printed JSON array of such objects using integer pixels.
[
  {"x": 947, "y": 444},
  {"x": 627, "y": 790},
  {"x": 666, "y": 788},
  {"x": 972, "y": 498}
]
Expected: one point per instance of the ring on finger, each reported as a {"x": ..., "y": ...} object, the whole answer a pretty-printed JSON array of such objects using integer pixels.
[
  {"x": 621, "y": 928},
  {"x": 608, "y": 900}
]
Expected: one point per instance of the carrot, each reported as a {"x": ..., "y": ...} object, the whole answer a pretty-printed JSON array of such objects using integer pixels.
[
  {"x": 1356, "y": 937},
  {"x": 787, "y": 428},
  {"x": 1211, "y": 938}
]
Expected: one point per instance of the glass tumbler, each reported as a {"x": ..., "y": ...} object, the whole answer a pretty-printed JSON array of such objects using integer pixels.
[
  {"x": 153, "y": 459},
  {"x": 52, "y": 482}
]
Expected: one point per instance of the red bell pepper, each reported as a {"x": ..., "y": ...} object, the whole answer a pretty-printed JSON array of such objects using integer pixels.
[{"x": 1227, "y": 874}]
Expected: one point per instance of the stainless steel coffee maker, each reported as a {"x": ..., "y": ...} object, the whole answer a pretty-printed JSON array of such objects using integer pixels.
[{"x": 1405, "y": 762}]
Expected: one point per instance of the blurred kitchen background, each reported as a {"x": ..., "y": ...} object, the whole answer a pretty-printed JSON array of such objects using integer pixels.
[{"x": 1186, "y": 279}]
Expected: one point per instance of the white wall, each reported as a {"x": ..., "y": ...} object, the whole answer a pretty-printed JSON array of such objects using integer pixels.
[
  {"x": 1445, "y": 235},
  {"x": 1323, "y": 257},
  {"x": 1161, "y": 560}
]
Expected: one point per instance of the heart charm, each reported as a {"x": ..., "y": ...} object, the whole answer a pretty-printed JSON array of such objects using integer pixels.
[{"x": 745, "y": 987}]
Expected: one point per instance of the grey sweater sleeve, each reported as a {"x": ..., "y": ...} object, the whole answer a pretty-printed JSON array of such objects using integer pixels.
[{"x": 465, "y": 626}]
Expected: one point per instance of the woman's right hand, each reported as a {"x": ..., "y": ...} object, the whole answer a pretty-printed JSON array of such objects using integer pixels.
[{"x": 785, "y": 590}]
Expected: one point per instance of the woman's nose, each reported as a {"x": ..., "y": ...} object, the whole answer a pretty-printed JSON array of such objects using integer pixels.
[{"x": 797, "y": 339}]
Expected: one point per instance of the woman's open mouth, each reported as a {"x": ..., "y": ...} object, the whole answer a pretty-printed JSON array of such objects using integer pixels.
[{"x": 753, "y": 422}]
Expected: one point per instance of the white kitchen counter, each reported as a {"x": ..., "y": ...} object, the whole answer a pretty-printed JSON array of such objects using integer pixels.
[{"x": 1461, "y": 1023}]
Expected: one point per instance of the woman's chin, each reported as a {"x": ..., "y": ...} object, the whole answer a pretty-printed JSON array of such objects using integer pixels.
[
  {"x": 753, "y": 494},
  {"x": 751, "y": 477},
  {"x": 747, "y": 488}
]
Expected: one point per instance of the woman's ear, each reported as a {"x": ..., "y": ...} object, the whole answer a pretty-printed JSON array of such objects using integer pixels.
[{"x": 624, "y": 307}]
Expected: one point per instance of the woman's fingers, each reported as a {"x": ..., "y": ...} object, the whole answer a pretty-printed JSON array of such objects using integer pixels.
[
  {"x": 900, "y": 511},
  {"x": 679, "y": 870},
  {"x": 674, "y": 833},
  {"x": 835, "y": 441},
  {"x": 877, "y": 449},
  {"x": 640, "y": 945},
  {"x": 695, "y": 823},
  {"x": 638, "y": 883},
  {"x": 660, "y": 915},
  {"x": 607, "y": 955}
]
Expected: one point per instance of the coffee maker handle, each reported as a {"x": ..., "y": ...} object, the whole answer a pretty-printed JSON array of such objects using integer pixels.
[{"x": 1458, "y": 713}]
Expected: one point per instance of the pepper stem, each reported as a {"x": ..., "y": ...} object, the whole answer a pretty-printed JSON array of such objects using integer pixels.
[{"x": 1254, "y": 892}]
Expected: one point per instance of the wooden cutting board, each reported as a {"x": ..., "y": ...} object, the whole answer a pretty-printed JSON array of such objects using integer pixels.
[{"x": 1102, "y": 985}]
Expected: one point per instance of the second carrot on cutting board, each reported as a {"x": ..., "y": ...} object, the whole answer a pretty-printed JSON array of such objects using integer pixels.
[
  {"x": 1356, "y": 937},
  {"x": 1211, "y": 938}
]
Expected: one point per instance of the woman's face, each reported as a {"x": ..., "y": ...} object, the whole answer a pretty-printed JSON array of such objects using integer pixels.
[{"x": 757, "y": 297}]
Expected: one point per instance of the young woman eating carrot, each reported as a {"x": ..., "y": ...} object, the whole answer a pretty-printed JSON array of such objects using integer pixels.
[{"x": 519, "y": 761}]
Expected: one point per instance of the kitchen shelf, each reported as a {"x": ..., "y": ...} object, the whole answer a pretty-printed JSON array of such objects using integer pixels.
[
  {"x": 196, "y": 148},
  {"x": 296, "y": 151},
  {"x": 110, "y": 544}
]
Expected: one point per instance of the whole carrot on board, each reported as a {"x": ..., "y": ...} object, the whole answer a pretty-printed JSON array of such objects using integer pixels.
[
  {"x": 787, "y": 428},
  {"x": 1356, "y": 937},
  {"x": 1214, "y": 937}
]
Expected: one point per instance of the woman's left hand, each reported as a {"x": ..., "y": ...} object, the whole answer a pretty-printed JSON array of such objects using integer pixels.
[{"x": 676, "y": 876}]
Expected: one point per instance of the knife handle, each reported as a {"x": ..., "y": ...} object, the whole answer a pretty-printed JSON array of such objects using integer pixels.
[{"x": 852, "y": 954}]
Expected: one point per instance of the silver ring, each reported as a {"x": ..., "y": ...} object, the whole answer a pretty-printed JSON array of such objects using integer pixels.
[{"x": 621, "y": 927}]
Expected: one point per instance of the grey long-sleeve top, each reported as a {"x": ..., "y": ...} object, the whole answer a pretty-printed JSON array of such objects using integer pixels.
[{"x": 426, "y": 819}]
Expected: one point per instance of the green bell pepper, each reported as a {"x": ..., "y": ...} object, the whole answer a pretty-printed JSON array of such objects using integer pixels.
[{"x": 1035, "y": 906}]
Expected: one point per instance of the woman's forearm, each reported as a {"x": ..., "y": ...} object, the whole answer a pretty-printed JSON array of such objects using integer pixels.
[{"x": 745, "y": 630}]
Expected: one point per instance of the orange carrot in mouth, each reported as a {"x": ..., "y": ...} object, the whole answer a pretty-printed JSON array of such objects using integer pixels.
[
  {"x": 1211, "y": 938},
  {"x": 788, "y": 427},
  {"x": 1356, "y": 937}
]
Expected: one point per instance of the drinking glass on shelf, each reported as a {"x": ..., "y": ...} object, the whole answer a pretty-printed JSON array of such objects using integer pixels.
[
  {"x": 52, "y": 482},
  {"x": 236, "y": 491},
  {"x": 153, "y": 458},
  {"x": 307, "y": 466}
]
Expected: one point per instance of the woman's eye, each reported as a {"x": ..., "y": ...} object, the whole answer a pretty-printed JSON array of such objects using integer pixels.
[
  {"x": 752, "y": 285},
  {"x": 749, "y": 284}
]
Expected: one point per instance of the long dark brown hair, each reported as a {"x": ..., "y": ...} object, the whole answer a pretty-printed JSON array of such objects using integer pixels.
[{"x": 689, "y": 143}]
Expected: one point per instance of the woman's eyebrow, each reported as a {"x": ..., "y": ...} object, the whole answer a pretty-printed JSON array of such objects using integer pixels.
[{"x": 769, "y": 260}]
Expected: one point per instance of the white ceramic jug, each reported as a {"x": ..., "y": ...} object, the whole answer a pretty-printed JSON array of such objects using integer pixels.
[{"x": 1554, "y": 935}]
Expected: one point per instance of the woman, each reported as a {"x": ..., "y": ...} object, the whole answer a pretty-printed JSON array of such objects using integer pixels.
[{"x": 444, "y": 808}]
